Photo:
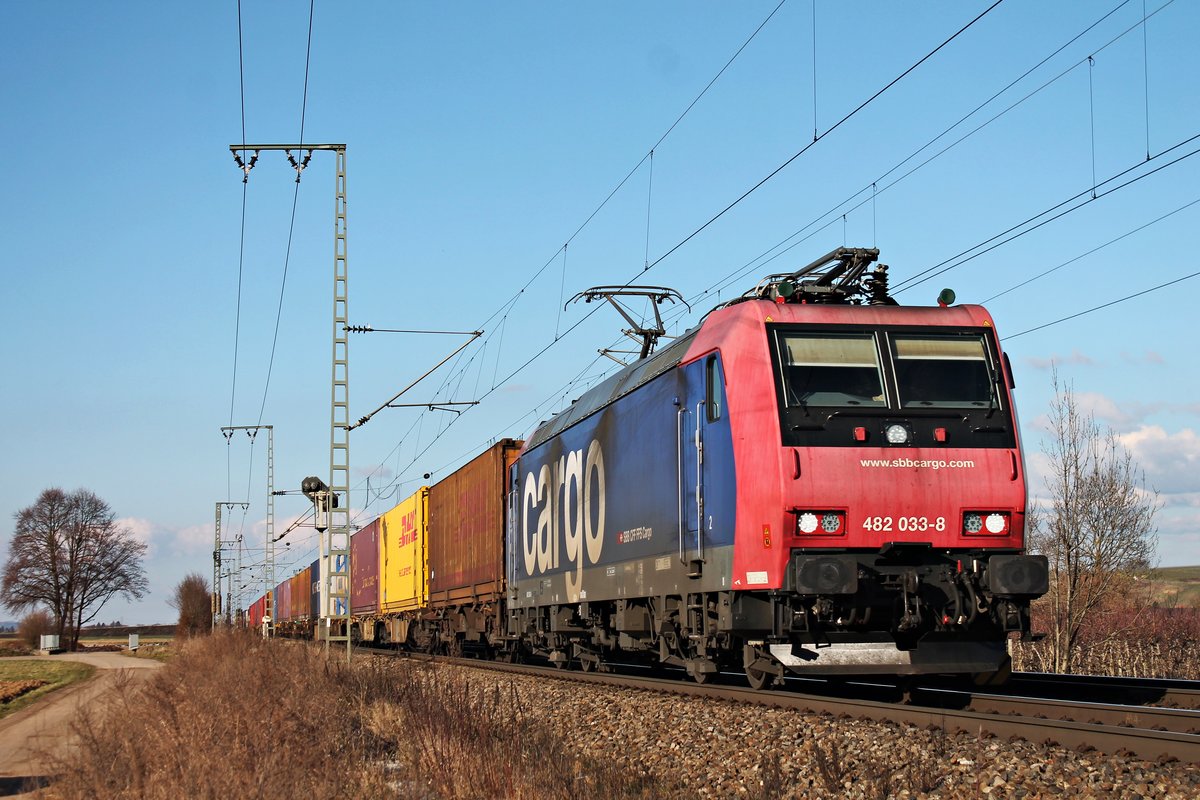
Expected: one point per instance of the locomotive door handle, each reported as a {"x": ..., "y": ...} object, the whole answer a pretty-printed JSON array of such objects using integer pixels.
[
  {"x": 679, "y": 463},
  {"x": 699, "y": 480}
]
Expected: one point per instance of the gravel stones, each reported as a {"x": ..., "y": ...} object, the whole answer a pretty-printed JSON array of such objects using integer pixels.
[{"x": 721, "y": 749}]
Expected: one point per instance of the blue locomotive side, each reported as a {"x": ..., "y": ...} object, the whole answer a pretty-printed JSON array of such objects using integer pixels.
[{"x": 634, "y": 499}]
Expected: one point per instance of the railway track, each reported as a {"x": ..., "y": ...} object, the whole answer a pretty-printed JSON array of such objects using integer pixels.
[
  {"x": 1130, "y": 691},
  {"x": 1152, "y": 733}
]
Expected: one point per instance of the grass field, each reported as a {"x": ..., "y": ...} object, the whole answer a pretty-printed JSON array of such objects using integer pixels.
[
  {"x": 1182, "y": 574},
  {"x": 57, "y": 674},
  {"x": 1177, "y": 587}
]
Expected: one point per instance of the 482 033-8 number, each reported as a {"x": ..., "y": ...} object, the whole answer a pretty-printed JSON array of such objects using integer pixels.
[{"x": 904, "y": 524}]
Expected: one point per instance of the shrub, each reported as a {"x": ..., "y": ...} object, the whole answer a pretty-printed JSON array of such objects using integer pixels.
[{"x": 35, "y": 625}]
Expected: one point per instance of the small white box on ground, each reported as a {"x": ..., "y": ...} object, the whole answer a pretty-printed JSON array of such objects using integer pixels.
[
  {"x": 133, "y": 641},
  {"x": 49, "y": 641}
]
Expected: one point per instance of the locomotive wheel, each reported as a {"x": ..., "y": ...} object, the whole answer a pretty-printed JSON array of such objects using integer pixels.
[
  {"x": 587, "y": 665},
  {"x": 998, "y": 678},
  {"x": 758, "y": 679},
  {"x": 760, "y": 670}
]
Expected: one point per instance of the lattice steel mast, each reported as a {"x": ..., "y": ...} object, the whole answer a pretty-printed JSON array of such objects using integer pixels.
[
  {"x": 216, "y": 584},
  {"x": 334, "y": 625},
  {"x": 269, "y": 553}
]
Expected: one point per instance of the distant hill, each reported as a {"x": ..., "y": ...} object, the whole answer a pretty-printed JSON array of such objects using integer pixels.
[{"x": 1177, "y": 587}]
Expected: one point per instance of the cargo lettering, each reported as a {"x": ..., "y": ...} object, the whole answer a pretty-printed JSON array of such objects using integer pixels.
[
  {"x": 408, "y": 529},
  {"x": 557, "y": 508}
]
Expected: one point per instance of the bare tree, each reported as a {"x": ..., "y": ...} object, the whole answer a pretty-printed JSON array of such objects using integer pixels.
[
  {"x": 1098, "y": 530},
  {"x": 194, "y": 603},
  {"x": 68, "y": 554}
]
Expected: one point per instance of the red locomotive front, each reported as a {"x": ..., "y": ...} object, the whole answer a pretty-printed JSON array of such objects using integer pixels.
[{"x": 880, "y": 483}]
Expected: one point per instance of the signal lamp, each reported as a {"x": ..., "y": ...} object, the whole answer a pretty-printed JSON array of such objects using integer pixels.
[
  {"x": 946, "y": 297},
  {"x": 896, "y": 434}
]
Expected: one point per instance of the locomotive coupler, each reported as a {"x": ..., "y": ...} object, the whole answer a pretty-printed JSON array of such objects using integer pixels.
[{"x": 911, "y": 616}]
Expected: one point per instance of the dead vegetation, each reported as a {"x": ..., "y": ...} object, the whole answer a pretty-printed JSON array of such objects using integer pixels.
[
  {"x": 11, "y": 690},
  {"x": 233, "y": 716},
  {"x": 1128, "y": 642}
]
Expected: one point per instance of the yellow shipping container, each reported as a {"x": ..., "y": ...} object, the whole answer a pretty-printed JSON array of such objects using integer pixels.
[{"x": 404, "y": 554}]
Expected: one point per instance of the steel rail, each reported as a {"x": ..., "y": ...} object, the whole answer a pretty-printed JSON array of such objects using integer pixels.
[
  {"x": 1029, "y": 719},
  {"x": 1141, "y": 691}
]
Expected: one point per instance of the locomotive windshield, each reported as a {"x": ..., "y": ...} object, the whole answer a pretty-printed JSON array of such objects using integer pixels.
[
  {"x": 942, "y": 371},
  {"x": 831, "y": 379},
  {"x": 832, "y": 370}
]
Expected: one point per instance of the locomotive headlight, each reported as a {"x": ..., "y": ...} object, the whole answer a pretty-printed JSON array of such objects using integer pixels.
[
  {"x": 821, "y": 523},
  {"x": 996, "y": 523},
  {"x": 986, "y": 523},
  {"x": 896, "y": 434}
]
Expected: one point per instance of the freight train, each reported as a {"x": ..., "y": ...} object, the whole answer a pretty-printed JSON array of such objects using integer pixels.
[{"x": 813, "y": 480}]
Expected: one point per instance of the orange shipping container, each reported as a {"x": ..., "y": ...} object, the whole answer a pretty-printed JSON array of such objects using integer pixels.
[
  {"x": 301, "y": 605},
  {"x": 466, "y": 529},
  {"x": 403, "y": 557}
]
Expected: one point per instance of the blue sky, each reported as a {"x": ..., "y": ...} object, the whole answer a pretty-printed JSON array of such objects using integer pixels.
[{"x": 481, "y": 137}]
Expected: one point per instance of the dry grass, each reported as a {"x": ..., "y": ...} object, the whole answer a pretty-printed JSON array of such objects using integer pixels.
[
  {"x": 49, "y": 675},
  {"x": 1141, "y": 643},
  {"x": 233, "y": 716}
]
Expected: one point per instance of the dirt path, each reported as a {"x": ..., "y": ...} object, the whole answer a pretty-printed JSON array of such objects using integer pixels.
[{"x": 31, "y": 736}]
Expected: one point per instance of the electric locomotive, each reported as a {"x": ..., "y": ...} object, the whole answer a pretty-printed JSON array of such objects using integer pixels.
[{"x": 814, "y": 479}]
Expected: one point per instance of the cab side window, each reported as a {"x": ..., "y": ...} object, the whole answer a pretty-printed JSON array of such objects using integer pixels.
[{"x": 712, "y": 371}]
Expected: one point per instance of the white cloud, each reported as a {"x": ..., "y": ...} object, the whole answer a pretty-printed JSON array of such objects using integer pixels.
[
  {"x": 1171, "y": 460},
  {"x": 1178, "y": 537},
  {"x": 1106, "y": 409},
  {"x": 1147, "y": 357},
  {"x": 142, "y": 529},
  {"x": 1076, "y": 357},
  {"x": 381, "y": 473},
  {"x": 194, "y": 538}
]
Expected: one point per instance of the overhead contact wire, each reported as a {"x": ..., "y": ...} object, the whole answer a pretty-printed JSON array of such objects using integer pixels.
[
  {"x": 506, "y": 306},
  {"x": 292, "y": 223},
  {"x": 237, "y": 324},
  {"x": 833, "y": 128},
  {"x": 953, "y": 262},
  {"x": 766, "y": 256},
  {"x": 1096, "y": 249},
  {"x": 1105, "y": 305},
  {"x": 695, "y": 233}
]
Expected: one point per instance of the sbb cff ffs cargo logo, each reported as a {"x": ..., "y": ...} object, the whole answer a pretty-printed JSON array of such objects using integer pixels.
[{"x": 558, "y": 506}]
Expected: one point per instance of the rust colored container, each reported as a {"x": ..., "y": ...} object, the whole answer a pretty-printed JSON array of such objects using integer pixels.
[
  {"x": 403, "y": 557},
  {"x": 466, "y": 529},
  {"x": 364, "y": 569},
  {"x": 300, "y": 606}
]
